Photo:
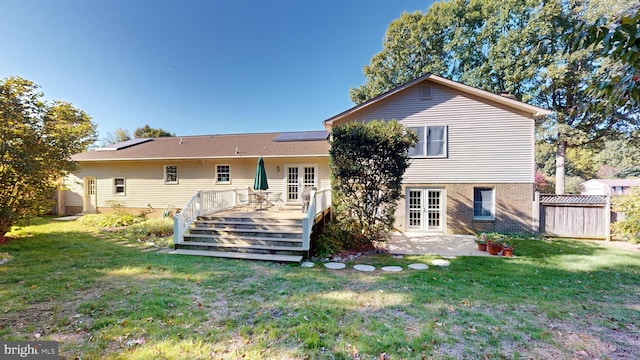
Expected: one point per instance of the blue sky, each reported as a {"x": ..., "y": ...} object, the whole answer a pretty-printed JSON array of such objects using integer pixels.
[{"x": 197, "y": 67}]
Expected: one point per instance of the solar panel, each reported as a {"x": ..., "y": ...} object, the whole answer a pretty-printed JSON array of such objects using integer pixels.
[
  {"x": 302, "y": 136},
  {"x": 124, "y": 144}
]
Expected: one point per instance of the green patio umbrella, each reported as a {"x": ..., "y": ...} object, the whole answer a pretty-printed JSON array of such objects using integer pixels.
[{"x": 260, "y": 182}]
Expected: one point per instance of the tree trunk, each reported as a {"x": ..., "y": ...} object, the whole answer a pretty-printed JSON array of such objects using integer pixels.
[{"x": 560, "y": 156}]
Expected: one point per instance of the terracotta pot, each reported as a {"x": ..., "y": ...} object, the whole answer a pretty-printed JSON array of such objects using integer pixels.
[
  {"x": 482, "y": 247},
  {"x": 507, "y": 251},
  {"x": 494, "y": 249}
]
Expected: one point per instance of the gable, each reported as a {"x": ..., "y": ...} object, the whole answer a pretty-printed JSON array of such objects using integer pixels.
[{"x": 410, "y": 98}]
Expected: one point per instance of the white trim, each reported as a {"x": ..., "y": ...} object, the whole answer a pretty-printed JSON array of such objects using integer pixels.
[
  {"x": 493, "y": 203},
  {"x": 424, "y": 218},
  {"x": 164, "y": 175},
  {"x": 216, "y": 174},
  {"x": 531, "y": 110},
  {"x": 300, "y": 167},
  {"x": 124, "y": 186},
  {"x": 423, "y": 154}
]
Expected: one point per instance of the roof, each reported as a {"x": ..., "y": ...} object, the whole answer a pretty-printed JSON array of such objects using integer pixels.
[
  {"x": 533, "y": 111},
  {"x": 615, "y": 182},
  {"x": 214, "y": 146}
]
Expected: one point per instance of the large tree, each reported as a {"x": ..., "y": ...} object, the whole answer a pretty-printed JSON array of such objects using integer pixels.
[
  {"x": 37, "y": 139},
  {"x": 117, "y": 136},
  {"x": 367, "y": 163},
  {"x": 516, "y": 47},
  {"x": 149, "y": 132}
]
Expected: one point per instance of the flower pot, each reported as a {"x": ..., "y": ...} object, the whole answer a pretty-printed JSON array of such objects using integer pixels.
[
  {"x": 507, "y": 251},
  {"x": 494, "y": 249},
  {"x": 482, "y": 247}
]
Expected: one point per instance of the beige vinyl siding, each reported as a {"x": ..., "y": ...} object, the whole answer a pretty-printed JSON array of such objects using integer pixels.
[
  {"x": 145, "y": 179},
  {"x": 73, "y": 196},
  {"x": 486, "y": 142}
]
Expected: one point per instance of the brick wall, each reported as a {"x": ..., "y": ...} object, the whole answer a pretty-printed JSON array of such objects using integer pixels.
[{"x": 513, "y": 208}]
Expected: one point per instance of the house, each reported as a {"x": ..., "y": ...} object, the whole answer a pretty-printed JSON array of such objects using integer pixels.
[
  {"x": 473, "y": 167},
  {"x": 609, "y": 186},
  {"x": 472, "y": 170},
  {"x": 166, "y": 172}
]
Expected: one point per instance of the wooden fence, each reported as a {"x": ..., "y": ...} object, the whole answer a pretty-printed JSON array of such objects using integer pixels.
[{"x": 576, "y": 216}]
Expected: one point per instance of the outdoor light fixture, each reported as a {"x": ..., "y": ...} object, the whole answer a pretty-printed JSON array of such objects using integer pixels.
[{"x": 278, "y": 168}]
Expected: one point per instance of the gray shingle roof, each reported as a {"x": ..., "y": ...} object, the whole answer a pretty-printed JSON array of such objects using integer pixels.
[{"x": 211, "y": 146}]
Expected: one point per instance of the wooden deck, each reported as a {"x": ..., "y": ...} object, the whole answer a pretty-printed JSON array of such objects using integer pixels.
[{"x": 274, "y": 234}]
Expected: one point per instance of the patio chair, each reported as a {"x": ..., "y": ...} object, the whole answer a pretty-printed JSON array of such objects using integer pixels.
[
  {"x": 275, "y": 199},
  {"x": 243, "y": 200},
  {"x": 306, "y": 197}
]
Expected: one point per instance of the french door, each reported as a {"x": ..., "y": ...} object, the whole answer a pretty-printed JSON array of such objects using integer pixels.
[
  {"x": 298, "y": 178},
  {"x": 425, "y": 210}
]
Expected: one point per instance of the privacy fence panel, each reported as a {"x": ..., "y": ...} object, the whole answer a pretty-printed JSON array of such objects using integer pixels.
[{"x": 577, "y": 216}]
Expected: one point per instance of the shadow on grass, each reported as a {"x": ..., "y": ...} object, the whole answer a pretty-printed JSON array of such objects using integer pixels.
[{"x": 106, "y": 298}]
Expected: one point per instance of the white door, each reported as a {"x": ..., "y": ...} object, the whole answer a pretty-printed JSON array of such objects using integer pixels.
[
  {"x": 425, "y": 210},
  {"x": 298, "y": 178},
  {"x": 89, "y": 198}
]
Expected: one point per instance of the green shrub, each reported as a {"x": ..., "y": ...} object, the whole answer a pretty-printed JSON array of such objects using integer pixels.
[
  {"x": 628, "y": 227},
  {"x": 114, "y": 219},
  {"x": 334, "y": 238}
]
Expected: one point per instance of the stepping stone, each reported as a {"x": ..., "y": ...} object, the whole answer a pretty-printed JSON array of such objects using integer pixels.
[
  {"x": 165, "y": 251},
  {"x": 391, "y": 268},
  {"x": 365, "y": 268},
  {"x": 307, "y": 264},
  {"x": 397, "y": 256},
  {"x": 418, "y": 266},
  {"x": 440, "y": 262},
  {"x": 149, "y": 249},
  {"x": 334, "y": 265}
]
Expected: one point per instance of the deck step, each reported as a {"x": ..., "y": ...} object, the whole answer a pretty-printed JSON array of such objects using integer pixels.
[
  {"x": 243, "y": 246},
  {"x": 246, "y": 238},
  {"x": 246, "y": 232},
  {"x": 244, "y": 256}
]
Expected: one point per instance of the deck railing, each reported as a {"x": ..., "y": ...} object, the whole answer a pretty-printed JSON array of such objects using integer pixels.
[
  {"x": 201, "y": 203},
  {"x": 320, "y": 202}
]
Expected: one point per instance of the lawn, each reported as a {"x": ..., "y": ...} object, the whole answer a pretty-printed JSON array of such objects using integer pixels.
[{"x": 558, "y": 299}]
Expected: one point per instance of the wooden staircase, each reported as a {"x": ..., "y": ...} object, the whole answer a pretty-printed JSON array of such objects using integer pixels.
[{"x": 254, "y": 238}]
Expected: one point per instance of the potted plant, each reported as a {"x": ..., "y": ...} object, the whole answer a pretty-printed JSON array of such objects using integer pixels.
[
  {"x": 494, "y": 243},
  {"x": 482, "y": 242},
  {"x": 507, "y": 250}
]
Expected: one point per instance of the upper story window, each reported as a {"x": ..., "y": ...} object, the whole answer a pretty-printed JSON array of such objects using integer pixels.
[
  {"x": 170, "y": 174},
  {"x": 223, "y": 174},
  {"x": 432, "y": 142},
  {"x": 119, "y": 186}
]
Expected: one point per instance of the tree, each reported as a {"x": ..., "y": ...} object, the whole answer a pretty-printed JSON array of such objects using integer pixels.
[
  {"x": 149, "y": 132},
  {"x": 367, "y": 163},
  {"x": 37, "y": 141},
  {"x": 118, "y": 136},
  {"x": 619, "y": 39},
  {"x": 628, "y": 227},
  {"x": 516, "y": 47}
]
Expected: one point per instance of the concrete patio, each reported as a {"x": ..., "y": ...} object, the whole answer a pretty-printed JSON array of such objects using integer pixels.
[{"x": 436, "y": 244}]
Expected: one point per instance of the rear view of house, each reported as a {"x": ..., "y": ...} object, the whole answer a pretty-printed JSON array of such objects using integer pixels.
[{"x": 473, "y": 167}]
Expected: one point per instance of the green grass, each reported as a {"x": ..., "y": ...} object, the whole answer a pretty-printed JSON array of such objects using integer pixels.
[{"x": 102, "y": 300}]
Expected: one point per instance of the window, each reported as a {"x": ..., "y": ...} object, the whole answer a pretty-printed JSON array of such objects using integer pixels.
[
  {"x": 223, "y": 174},
  {"x": 483, "y": 204},
  {"x": 432, "y": 142},
  {"x": 118, "y": 186},
  {"x": 170, "y": 174}
]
